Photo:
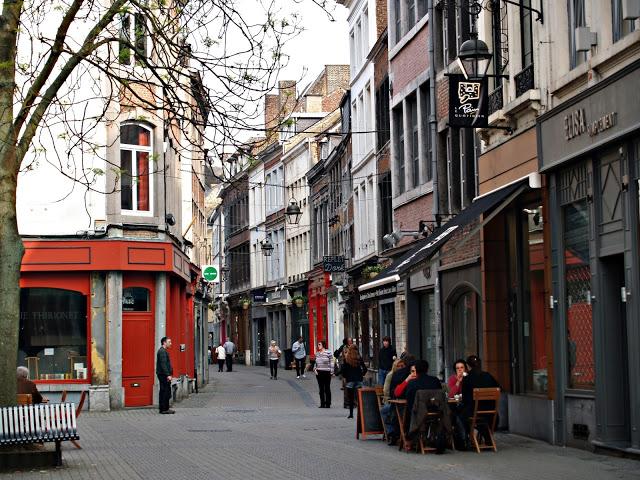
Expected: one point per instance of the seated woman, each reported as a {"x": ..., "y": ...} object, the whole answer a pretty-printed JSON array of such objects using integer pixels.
[
  {"x": 27, "y": 386},
  {"x": 455, "y": 381}
]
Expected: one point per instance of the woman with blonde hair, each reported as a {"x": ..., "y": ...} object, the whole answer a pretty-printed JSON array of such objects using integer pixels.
[
  {"x": 274, "y": 357},
  {"x": 397, "y": 365},
  {"x": 353, "y": 371}
]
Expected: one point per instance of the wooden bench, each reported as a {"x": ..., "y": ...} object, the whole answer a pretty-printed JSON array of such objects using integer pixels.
[{"x": 24, "y": 424}]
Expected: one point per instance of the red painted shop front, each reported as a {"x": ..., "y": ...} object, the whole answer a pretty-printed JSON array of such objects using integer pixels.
[
  {"x": 56, "y": 314},
  {"x": 319, "y": 283}
]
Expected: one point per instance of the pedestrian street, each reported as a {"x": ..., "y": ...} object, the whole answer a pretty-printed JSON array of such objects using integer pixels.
[{"x": 246, "y": 426}]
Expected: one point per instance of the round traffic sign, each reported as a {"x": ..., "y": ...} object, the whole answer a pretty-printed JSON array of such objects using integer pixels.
[{"x": 210, "y": 273}]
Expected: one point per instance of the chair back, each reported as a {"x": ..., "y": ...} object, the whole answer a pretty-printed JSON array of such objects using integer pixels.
[
  {"x": 482, "y": 398},
  {"x": 24, "y": 399}
]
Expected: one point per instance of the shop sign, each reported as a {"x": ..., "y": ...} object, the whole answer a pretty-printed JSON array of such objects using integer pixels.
[
  {"x": 378, "y": 293},
  {"x": 259, "y": 295},
  {"x": 576, "y": 124},
  {"x": 333, "y": 263},
  {"x": 468, "y": 102}
]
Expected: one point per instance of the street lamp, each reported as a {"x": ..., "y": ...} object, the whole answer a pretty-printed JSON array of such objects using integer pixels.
[
  {"x": 224, "y": 271},
  {"x": 293, "y": 212},
  {"x": 474, "y": 57},
  {"x": 267, "y": 247}
]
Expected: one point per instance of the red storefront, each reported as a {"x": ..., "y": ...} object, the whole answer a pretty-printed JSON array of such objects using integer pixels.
[
  {"x": 319, "y": 283},
  {"x": 92, "y": 313}
]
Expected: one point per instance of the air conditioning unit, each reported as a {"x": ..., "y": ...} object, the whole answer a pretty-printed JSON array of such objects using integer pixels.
[
  {"x": 630, "y": 9},
  {"x": 585, "y": 39}
]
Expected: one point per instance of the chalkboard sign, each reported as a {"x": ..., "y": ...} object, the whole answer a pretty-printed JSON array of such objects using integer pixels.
[{"x": 369, "y": 419}]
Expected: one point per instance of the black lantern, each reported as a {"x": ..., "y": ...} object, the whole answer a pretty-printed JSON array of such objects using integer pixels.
[
  {"x": 293, "y": 212},
  {"x": 267, "y": 247},
  {"x": 474, "y": 57}
]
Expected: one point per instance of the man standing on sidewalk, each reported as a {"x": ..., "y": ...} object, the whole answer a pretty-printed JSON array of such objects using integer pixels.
[
  {"x": 229, "y": 347},
  {"x": 299, "y": 354},
  {"x": 164, "y": 372}
]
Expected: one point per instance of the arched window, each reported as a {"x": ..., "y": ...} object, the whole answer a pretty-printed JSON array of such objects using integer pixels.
[
  {"x": 462, "y": 325},
  {"x": 135, "y": 156}
]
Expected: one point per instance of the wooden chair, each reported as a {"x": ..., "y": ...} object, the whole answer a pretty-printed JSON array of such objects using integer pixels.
[
  {"x": 63, "y": 396},
  {"x": 379, "y": 397},
  {"x": 484, "y": 416},
  {"x": 24, "y": 399}
]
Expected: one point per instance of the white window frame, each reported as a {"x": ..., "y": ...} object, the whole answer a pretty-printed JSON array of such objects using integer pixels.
[{"x": 134, "y": 173}]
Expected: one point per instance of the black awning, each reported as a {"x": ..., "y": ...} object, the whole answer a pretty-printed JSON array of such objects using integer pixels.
[{"x": 426, "y": 248}]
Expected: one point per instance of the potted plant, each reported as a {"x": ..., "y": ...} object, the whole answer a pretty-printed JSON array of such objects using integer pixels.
[
  {"x": 299, "y": 300},
  {"x": 244, "y": 303},
  {"x": 371, "y": 271}
]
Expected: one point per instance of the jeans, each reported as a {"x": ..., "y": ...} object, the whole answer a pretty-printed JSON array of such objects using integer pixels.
[
  {"x": 299, "y": 366},
  {"x": 229, "y": 362},
  {"x": 165, "y": 393},
  {"x": 273, "y": 368},
  {"x": 388, "y": 414},
  {"x": 324, "y": 387},
  {"x": 382, "y": 374}
]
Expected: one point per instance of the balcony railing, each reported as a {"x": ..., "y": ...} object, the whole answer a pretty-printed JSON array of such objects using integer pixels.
[
  {"x": 524, "y": 80},
  {"x": 495, "y": 100}
]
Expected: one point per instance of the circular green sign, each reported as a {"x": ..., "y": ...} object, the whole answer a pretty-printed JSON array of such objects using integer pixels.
[{"x": 210, "y": 273}]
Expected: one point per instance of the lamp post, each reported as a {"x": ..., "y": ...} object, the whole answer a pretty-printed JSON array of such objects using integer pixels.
[{"x": 293, "y": 212}]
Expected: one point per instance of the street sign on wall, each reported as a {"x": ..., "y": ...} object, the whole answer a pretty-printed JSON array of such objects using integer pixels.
[
  {"x": 333, "y": 263},
  {"x": 468, "y": 102},
  {"x": 210, "y": 273}
]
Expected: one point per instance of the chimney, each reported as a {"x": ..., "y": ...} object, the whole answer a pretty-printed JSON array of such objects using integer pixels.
[{"x": 287, "y": 97}]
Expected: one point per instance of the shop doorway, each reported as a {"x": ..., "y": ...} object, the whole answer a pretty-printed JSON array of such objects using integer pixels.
[
  {"x": 261, "y": 354},
  {"x": 614, "y": 344},
  {"x": 461, "y": 326},
  {"x": 138, "y": 333}
]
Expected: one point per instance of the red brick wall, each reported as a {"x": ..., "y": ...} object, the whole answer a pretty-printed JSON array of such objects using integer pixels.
[
  {"x": 411, "y": 61},
  {"x": 452, "y": 252},
  {"x": 409, "y": 215},
  {"x": 442, "y": 98},
  {"x": 381, "y": 16}
]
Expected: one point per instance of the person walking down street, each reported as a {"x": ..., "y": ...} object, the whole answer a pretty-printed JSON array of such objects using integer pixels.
[
  {"x": 299, "y": 355},
  {"x": 324, "y": 370},
  {"x": 386, "y": 356},
  {"x": 221, "y": 356},
  {"x": 230, "y": 349},
  {"x": 353, "y": 370},
  {"x": 164, "y": 371},
  {"x": 274, "y": 358}
]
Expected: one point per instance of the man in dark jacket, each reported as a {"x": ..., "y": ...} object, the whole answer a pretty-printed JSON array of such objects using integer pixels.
[
  {"x": 27, "y": 386},
  {"x": 164, "y": 371},
  {"x": 386, "y": 356},
  {"x": 421, "y": 381}
]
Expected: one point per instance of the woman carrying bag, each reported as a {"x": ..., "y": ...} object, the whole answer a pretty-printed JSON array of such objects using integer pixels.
[{"x": 353, "y": 371}]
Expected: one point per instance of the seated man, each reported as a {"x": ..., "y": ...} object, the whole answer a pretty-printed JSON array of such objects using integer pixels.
[
  {"x": 477, "y": 378},
  {"x": 419, "y": 379},
  {"x": 27, "y": 386}
]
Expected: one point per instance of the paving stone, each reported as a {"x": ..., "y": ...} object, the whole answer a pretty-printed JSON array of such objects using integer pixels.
[{"x": 246, "y": 426}]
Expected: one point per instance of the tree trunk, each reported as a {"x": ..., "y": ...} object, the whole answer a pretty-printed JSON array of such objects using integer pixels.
[{"x": 11, "y": 251}]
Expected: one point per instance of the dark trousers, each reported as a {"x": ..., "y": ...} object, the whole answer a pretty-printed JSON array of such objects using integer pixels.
[
  {"x": 229, "y": 362},
  {"x": 299, "y": 366},
  {"x": 165, "y": 392},
  {"x": 324, "y": 387},
  {"x": 220, "y": 364},
  {"x": 273, "y": 368}
]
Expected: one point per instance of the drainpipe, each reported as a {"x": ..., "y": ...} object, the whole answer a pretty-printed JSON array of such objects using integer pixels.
[{"x": 433, "y": 131}]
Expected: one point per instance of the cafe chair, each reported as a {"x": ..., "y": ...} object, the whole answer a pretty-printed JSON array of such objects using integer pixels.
[
  {"x": 83, "y": 397},
  {"x": 380, "y": 398},
  {"x": 430, "y": 423},
  {"x": 24, "y": 399},
  {"x": 485, "y": 414}
]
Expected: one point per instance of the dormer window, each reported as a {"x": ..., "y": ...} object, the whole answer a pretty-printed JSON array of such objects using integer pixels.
[{"x": 135, "y": 159}]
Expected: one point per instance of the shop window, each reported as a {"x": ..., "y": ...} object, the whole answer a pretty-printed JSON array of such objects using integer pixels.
[
  {"x": 135, "y": 158},
  {"x": 462, "y": 328},
  {"x": 581, "y": 367},
  {"x": 53, "y": 334},
  {"x": 533, "y": 327},
  {"x": 135, "y": 299}
]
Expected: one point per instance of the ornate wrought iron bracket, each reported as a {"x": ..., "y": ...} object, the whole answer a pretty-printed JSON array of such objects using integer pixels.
[{"x": 539, "y": 17}]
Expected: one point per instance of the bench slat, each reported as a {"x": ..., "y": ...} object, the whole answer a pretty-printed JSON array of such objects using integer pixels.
[{"x": 42, "y": 422}]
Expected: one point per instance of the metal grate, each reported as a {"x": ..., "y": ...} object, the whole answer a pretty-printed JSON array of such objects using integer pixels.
[
  {"x": 495, "y": 100},
  {"x": 580, "y": 328},
  {"x": 573, "y": 184},
  {"x": 524, "y": 80}
]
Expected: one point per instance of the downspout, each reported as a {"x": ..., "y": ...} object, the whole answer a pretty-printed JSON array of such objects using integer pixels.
[{"x": 433, "y": 131}]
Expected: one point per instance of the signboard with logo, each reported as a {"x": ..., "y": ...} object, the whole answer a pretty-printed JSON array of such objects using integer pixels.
[
  {"x": 259, "y": 295},
  {"x": 210, "y": 273},
  {"x": 468, "y": 102},
  {"x": 333, "y": 263}
]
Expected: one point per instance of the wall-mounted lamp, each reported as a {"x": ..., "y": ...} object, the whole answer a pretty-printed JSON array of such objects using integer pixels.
[
  {"x": 293, "y": 212},
  {"x": 267, "y": 247}
]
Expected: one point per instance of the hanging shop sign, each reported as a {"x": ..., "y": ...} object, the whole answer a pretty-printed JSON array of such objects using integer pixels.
[
  {"x": 468, "y": 102},
  {"x": 333, "y": 263}
]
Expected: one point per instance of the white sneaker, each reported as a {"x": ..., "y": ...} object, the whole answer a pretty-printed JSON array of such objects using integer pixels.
[
  {"x": 304, "y": 376},
  {"x": 298, "y": 376}
]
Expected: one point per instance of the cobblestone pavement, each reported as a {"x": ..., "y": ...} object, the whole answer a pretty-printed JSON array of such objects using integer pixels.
[{"x": 246, "y": 426}]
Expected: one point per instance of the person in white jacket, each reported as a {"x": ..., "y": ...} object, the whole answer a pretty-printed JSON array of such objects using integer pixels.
[
  {"x": 221, "y": 356},
  {"x": 299, "y": 355}
]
